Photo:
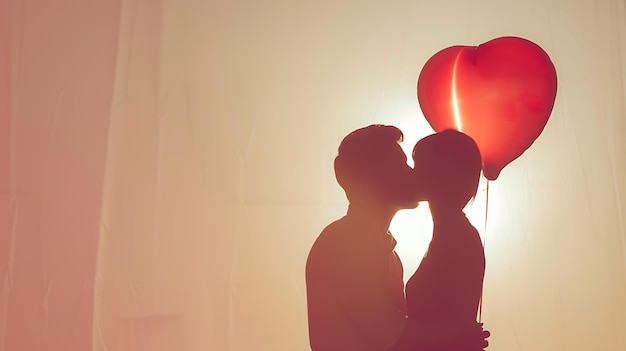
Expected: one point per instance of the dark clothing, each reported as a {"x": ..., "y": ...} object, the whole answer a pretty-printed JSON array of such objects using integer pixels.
[{"x": 355, "y": 290}]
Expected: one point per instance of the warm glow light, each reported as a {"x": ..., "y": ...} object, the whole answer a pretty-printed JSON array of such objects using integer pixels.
[
  {"x": 413, "y": 231},
  {"x": 413, "y": 228},
  {"x": 455, "y": 101}
]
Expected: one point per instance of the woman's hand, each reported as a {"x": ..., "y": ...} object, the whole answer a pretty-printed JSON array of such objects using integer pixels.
[{"x": 472, "y": 339}]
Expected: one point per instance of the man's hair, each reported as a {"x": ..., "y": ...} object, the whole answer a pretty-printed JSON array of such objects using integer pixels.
[
  {"x": 359, "y": 165},
  {"x": 452, "y": 161}
]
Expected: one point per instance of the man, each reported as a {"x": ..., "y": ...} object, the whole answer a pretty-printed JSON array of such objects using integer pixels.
[{"x": 354, "y": 278}]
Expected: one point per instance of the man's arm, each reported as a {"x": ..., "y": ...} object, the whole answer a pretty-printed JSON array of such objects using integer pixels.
[{"x": 364, "y": 284}]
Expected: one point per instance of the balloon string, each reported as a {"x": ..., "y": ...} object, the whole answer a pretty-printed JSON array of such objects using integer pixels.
[{"x": 480, "y": 302}]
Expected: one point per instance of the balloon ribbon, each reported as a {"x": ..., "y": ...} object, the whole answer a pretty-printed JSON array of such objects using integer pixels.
[{"x": 480, "y": 302}]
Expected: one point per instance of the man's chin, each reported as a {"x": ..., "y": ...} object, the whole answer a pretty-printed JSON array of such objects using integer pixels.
[{"x": 408, "y": 205}]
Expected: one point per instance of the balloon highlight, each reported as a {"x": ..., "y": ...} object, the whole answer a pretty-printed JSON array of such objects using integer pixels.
[{"x": 500, "y": 93}]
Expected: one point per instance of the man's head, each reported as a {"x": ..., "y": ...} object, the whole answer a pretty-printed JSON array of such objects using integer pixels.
[
  {"x": 447, "y": 167},
  {"x": 371, "y": 168}
]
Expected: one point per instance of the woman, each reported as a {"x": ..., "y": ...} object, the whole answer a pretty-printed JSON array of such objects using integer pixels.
[{"x": 446, "y": 288}]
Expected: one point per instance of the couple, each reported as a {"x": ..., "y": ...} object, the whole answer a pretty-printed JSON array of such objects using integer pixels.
[{"x": 355, "y": 289}]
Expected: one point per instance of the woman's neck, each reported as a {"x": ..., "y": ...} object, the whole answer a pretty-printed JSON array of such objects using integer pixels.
[{"x": 443, "y": 213}]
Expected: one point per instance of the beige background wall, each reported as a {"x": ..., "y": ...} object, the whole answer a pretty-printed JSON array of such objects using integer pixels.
[{"x": 165, "y": 167}]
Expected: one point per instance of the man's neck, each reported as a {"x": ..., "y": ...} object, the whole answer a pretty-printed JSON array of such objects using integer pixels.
[{"x": 378, "y": 217}]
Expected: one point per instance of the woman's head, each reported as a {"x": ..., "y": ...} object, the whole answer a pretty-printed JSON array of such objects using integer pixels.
[{"x": 447, "y": 168}]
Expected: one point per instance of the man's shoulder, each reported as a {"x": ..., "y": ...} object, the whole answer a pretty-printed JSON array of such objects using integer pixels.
[
  {"x": 339, "y": 238},
  {"x": 325, "y": 250},
  {"x": 332, "y": 236},
  {"x": 336, "y": 228}
]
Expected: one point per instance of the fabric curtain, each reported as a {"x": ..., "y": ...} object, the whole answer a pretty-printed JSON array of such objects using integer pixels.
[{"x": 165, "y": 166}]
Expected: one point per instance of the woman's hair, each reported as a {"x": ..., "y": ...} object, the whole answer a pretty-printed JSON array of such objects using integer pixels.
[{"x": 449, "y": 164}]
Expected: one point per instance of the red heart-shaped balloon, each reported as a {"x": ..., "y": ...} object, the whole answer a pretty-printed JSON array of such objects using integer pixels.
[{"x": 500, "y": 93}]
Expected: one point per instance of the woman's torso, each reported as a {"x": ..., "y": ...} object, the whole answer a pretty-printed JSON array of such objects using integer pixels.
[{"x": 447, "y": 285}]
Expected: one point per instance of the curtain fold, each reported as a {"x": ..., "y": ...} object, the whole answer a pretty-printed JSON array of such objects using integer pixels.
[{"x": 57, "y": 70}]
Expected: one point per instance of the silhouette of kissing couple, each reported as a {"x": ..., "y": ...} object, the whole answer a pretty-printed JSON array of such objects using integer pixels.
[{"x": 356, "y": 297}]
